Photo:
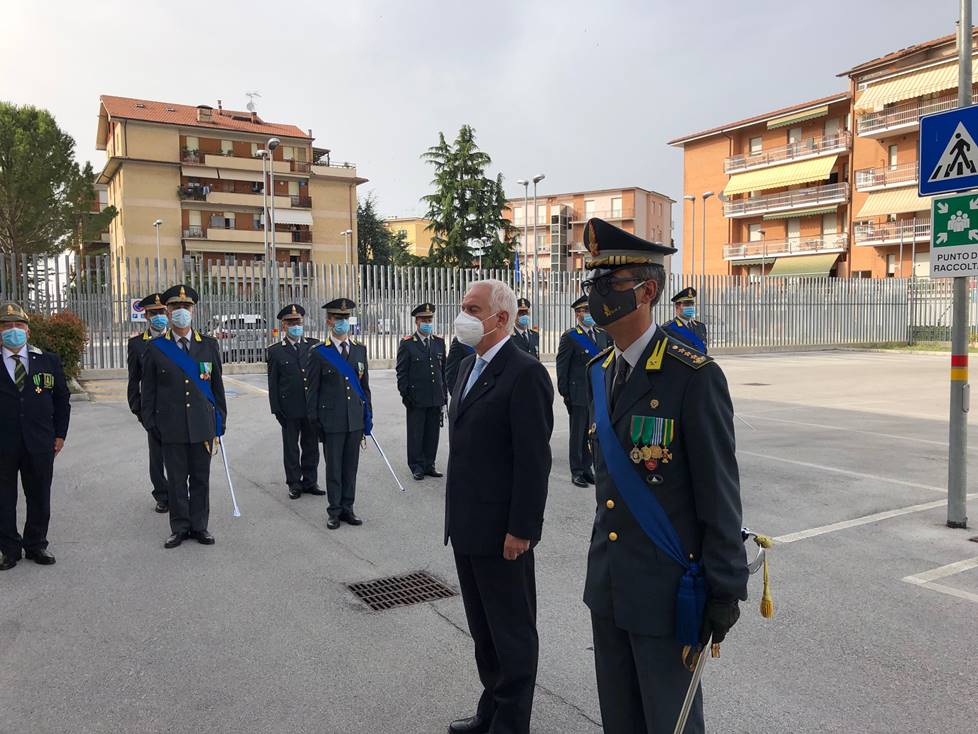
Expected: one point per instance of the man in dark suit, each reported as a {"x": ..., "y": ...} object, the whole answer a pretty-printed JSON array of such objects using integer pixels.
[
  {"x": 456, "y": 353},
  {"x": 525, "y": 336},
  {"x": 338, "y": 403},
  {"x": 34, "y": 412},
  {"x": 578, "y": 346},
  {"x": 156, "y": 322},
  {"x": 288, "y": 384},
  {"x": 500, "y": 422},
  {"x": 663, "y": 441},
  {"x": 420, "y": 371},
  {"x": 183, "y": 405},
  {"x": 684, "y": 326}
]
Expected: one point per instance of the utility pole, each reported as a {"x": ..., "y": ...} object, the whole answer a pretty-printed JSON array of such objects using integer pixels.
[{"x": 692, "y": 237}]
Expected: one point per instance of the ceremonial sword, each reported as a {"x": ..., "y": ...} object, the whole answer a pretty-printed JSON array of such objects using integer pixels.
[
  {"x": 400, "y": 486},
  {"x": 236, "y": 512}
]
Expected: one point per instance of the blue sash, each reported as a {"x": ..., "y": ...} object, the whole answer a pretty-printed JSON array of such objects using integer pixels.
[
  {"x": 645, "y": 507},
  {"x": 333, "y": 356},
  {"x": 192, "y": 370},
  {"x": 585, "y": 342},
  {"x": 687, "y": 335}
]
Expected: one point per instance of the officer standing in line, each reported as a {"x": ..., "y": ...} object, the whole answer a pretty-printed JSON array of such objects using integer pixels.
[
  {"x": 34, "y": 412},
  {"x": 155, "y": 311},
  {"x": 668, "y": 496},
  {"x": 184, "y": 406},
  {"x": 338, "y": 403},
  {"x": 420, "y": 371},
  {"x": 524, "y": 336},
  {"x": 288, "y": 383},
  {"x": 684, "y": 326},
  {"x": 579, "y": 345},
  {"x": 456, "y": 353}
]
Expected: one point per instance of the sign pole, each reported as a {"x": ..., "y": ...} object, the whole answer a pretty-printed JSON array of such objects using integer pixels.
[{"x": 957, "y": 466}]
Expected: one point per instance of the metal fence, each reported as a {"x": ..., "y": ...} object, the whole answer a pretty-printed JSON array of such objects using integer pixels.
[{"x": 235, "y": 307}]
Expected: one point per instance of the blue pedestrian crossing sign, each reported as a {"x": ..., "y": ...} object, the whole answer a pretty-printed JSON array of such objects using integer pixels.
[{"x": 948, "y": 152}]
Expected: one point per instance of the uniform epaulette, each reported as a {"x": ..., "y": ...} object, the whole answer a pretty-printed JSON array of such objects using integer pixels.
[
  {"x": 34, "y": 350},
  {"x": 687, "y": 354},
  {"x": 535, "y": 328},
  {"x": 407, "y": 338},
  {"x": 601, "y": 355},
  {"x": 273, "y": 344}
]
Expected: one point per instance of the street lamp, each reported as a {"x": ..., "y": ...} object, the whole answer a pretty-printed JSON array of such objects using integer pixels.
[
  {"x": 270, "y": 146},
  {"x": 347, "y": 234},
  {"x": 157, "y": 224},
  {"x": 526, "y": 219},
  {"x": 536, "y": 254},
  {"x": 692, "y": 236},
  {"x": 706, "y": 195}
]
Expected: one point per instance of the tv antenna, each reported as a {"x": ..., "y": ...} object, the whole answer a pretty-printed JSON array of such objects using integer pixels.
[{"x": 251, "y": 100}]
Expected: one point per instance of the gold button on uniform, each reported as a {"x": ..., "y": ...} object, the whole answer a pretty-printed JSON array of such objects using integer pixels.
[
  {"x": 610, "y": 504},
  {"x": 612, "y": 536}
]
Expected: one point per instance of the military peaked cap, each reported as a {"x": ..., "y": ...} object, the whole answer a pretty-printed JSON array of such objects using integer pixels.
[
  {"x": 153, "y": 300},
  {"x": 425, "y": 309},
  {"x": 340, "y": 307},
  {"x": 180, "y": 294},
  {"x": 611, "y": 247},
  {"x": 292, "y": 311},
  {"x": 686, "y": 294},
  {"x": 11, "y": 312},
  {"x": 523, "y": 303},
  {"x": 582, "y": 301}
]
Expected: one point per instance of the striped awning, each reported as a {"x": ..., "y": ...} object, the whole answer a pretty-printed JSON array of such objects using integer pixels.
[
  {"x": 816, "y": 169},
  {"x": 907, "y": 86},
  {"x": 797, "y": 117},
  {"x": 802, "y": 213},
  {"x": 293, "y": 216},
  {"x": 198, "y": 171},
  {"x": 895, "y": 201},
  {"x": 232, "y": 174},
  {"x": 804, "y": 266}
]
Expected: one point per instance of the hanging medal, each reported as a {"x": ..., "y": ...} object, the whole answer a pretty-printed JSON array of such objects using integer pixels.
[
  {"x": 638, "y": 423},
  {"x": 668, "y": 433},
  {"x": 649, "y": 429}
]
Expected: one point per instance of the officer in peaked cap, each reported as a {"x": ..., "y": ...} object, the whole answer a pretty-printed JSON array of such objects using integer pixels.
[
  {"x": 34, "y": 412},
  {"x": 578, "y": 345},
  {"x": 421, "y": 382},
  {"x": 157, "y": 320},
  {"x": 684, "y": 326},
  {"x": 338, "y": 403},
  {"x": 525, "y": 336},
  {"x": 663, "y": 440},
  {"x": 183, "y": 405},
  {"x": 288, "y": 385}
]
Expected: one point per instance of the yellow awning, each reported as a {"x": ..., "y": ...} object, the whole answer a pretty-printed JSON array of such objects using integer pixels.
[
  {"x": 789, "y": 174},
  {"x": 908, "y": 86},
  {"x": 804, "y": 266},
  {"x": 798, "y": 117},
  {"x": 896, "y": 201}
]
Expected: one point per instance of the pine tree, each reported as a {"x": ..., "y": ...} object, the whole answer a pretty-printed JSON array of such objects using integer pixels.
[{"x": 376, "y": 244}]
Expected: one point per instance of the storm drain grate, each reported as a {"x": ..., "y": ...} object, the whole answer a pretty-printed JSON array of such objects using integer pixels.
[{"x": 401, "y": 591}]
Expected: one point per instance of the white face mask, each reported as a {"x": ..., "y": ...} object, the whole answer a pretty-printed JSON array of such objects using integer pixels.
[{"x": 468, "y": 328}]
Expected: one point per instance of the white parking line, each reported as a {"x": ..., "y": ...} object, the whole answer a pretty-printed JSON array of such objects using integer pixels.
[
  {"x": 942, "y": 444},
  {"x": 927, "y": 579}
]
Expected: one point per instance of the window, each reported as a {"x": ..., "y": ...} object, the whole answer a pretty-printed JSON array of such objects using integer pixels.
[
  {"x": 228, "y": 220},
  {"x": 293, "y": 188},
  {"x": 193, "y": 143},
  {"x": 616, "y": 207},
  {"x": 832, "y": 127},
  {"x": 754, "y": 232},
  {"x": 301, "y": 154},
  {"x": 541, "y": 214},
  {"x": 891, "y": 266},
  {"x": 921, "y": 264},
  {"x": 794, "y": 228},
  {"x": 518, "y": 215},
  {"x": 103, "y": 198},
  {"x": 193, "y": 218},
  {"x": 830, "y": 223},
  {"x": 254, "y": 150},
  {"x": 541, "y": 239},
  {"x": 755, "y": 145},
  {"x": 288, "y": 153},
  {"x": 794, "y": 135},
  {"x": 589, "y": 209},
  {"x": 227, "y": 147},
  {"x": 891, "y": 156}
]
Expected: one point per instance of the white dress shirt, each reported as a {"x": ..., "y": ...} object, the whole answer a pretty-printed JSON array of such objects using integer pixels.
[
  {"x": 11, "y": 364},
  {"x": 634, "y": 351}
]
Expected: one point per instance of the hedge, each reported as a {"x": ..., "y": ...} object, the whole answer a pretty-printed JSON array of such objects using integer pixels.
[{"x": 62, "y": 333}]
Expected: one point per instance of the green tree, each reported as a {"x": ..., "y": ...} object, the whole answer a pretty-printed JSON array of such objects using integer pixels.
[
  {"x": 47, "y": 201},
  {"x": 376, "y": 244},
  {"x": 466, "y": 205}
]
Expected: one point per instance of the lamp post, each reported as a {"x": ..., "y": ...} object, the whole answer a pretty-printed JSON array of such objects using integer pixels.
[
  {"x": 347, "y": 235},
  {"x": 157, "y": 224},
  {"x": 526, "y": 220},
  {"x": 271, "y": 145},
  {"x": 706, "y": 195},
  {"x": 692, "y": 236},
  {"x": 536, "y": 251}
]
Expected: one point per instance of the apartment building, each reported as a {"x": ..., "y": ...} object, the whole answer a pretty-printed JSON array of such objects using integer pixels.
[
  {"x": 555, "y": 231},
  {"x": 100, "y": 242},
  {"x": 415, "y": 231},
  {"x": 825, "y": 187},
  {"x": 198, "y": 169}
]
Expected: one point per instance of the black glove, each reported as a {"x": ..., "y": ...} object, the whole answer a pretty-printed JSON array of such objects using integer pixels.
[
  {"x": 718, "y": 617},
  {"x": 408, "y": 402}
]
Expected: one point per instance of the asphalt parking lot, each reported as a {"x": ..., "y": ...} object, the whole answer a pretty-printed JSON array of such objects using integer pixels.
[{"x": 842, "y": 458}]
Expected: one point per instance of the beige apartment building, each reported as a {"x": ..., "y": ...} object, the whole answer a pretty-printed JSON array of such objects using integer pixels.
[
  {"x": 197, "y": 168},
  {"x": 416, "y": 233},
  {"x": 826, "y": 187},
  {"x": 556, "y": 230}
]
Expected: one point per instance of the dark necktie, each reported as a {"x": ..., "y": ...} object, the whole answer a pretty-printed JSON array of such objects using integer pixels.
[
  {"x": 185, "y": 344},
  {"x": 346, "y": 350},
  {"x": 621, "y": 377},
  {"x": 20, "y": 374}
]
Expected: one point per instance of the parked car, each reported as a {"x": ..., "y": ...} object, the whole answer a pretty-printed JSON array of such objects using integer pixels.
[{"x": 242, "y": 337}]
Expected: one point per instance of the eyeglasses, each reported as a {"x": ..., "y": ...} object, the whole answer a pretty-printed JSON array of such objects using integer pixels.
[{"x": 604, "y": 284}]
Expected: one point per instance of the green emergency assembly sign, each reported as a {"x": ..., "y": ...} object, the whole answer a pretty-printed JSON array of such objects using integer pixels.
[{"x": 954, "y": 236}]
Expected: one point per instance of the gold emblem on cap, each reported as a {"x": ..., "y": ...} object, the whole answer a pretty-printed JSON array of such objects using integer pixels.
[
  {"x": 156, "y": 298},
  {"x": 183, "y": 293},
  {"x": 10, "y": 309},
  {"x": 296, "y": 313},
  {"x": 592, "y": 240}
]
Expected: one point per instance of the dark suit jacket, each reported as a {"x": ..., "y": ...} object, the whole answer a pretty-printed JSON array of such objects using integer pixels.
[
  {"x": 572, "y": 381},
  {"x": 421, "y": 372},
  {"x": 331, "y": 401},
  {"x": 134, "y": 362},
  {"x": 39, "y": 413},
  {"x": 288, "y": 377},
  {"x": 499, "y": 453},
  {"x": 456, "y": 353},
  {"x": 630, "y": 580},
  {"x": 171, "y": 403},
  {"x": 529, "y": 342}
]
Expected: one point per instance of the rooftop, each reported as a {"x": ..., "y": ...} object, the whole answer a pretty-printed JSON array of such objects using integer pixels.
[
  {"x": 596, "y": 191},
  {"x": 903, "y": 53}
]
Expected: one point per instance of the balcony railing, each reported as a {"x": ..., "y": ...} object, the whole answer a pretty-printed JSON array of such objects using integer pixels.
[
  {"x": 837, "y": 193},
  {"x": 302, "y": 202},
  {"x": 609, "y": 214},
  {"x": 790, "y": 246},
  {"x": 193, "y": 157},
  {"x": 299, "y": 166},
  {"x": 302, "y": 236},
  {"x": 195, "y": 230},
  {"x": 194, "y": 193},
  {"x": 902, "y": 174},
  {"x": 891, "y": 233},
  {"x": 903, "y": 116},
  {"x": 811, "y": 148}
]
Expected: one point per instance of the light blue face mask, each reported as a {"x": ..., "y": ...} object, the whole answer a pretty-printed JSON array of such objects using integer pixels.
[
  {"x": 588, "y": 320},
  {"x": 14, "y": 337},
  {"x": 295, "y": 331},
  {"x": 181, "y": 318},
  {"x": 425, "y": 328},
  {"x": 341, "y": 327},
  {"x": 523, "y": 321},
  {"x": 689, "y": 311},
  {"x": 159, "y": 321}
]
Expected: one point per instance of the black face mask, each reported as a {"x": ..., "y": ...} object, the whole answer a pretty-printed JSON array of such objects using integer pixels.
[{"x": 608, "y": 308}]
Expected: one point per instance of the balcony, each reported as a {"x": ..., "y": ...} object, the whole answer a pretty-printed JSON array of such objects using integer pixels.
[
  {"x": 829, "y": 194},
  {"x": 891, "y": 233},
  {"x": 217, "y": 160},
  {"x": 811, "y": 148},
  {"x": 872, "y": 179},
  {"x": 193, "y": 193},
  {"x": 228, "y": 199},
  {"x": 194, "y": 231},
  {"x": 782, "y": 248},
  {"x": 299, "y": 166},
  {"x": 903, "y": 117},
  {"x": 301, "y": 235},
  {"x": 301, "y": 202},
  {"x": 610, "y": 215}
]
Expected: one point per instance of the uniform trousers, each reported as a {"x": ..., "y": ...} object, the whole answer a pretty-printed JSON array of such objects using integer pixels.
[
  {"x": 500, "y": 600},
  {"x": 157, "y": 474},
  {"x": 300, "y": 470},
  {"x": 188, "y": 468},
  {"x": 642, "y": 682},
  {"x": 423, "y": 426},
  {"x": 36, "y": 471},
  {"x": 580, "y": 450},
  {"x": 342, "y": 452}
]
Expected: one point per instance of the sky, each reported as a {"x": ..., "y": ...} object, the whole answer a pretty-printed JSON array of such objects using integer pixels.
[{"x": 587, "y": 93}]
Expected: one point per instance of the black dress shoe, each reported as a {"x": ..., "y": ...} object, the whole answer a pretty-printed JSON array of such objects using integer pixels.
[
  {"x": 314, "y": 490},
  {"x": 40, "y": 557},
  {"x": 7, "y": 562},
  {"x": 589, "y": 478},
  {"x": 332, "y": 522},
  {"x": 419, "y": 475},
  {"x": 202, "y": 537},
  {"x": 579, "y": 481},
  {"x": 473, "y": 725},
  {"x": 161, "y": 507},
  {"x": 174, "y": 540},
  {"x": 432, "y": 472},
  {"x": 350, "y": 518},
  {"x": 295, "y": 493}
]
